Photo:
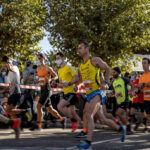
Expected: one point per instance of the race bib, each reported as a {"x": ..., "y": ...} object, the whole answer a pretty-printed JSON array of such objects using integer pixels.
[{"x": 88, "y": 85}]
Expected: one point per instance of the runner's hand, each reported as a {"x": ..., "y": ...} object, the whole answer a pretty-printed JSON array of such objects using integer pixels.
[
  {"x": 140, "y": 85},
  {"x": 75, "y": 88},
  {"x": 53, "y": 83},
  {"x": 65, "y": 85}
]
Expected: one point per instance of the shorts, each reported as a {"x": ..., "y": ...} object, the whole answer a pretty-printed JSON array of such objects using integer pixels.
[
  {"x": 97, "y": 92},
  {"x": 26, "y": 101},
  {"x": 147, "y": 106},
  {"x": 111, "y": 105},
  {"x": 71, "y": 98},
  {"x": 14, "y": 99},
  {"x": 45, "y": 96},
  {"x": 103, "y": 97},
  {"x": 139, "y": 106},
  {"x": 83, "y": 97},
  {"x": 123, "y": 105}
]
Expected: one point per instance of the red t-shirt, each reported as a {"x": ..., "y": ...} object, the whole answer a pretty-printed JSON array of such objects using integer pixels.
[{"x": 139, "y": 98}]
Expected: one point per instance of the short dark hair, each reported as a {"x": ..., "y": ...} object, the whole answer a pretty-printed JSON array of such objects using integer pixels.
[
  {"x": 86, "y": 44},
  {"x": 5, "y": 59},
  {"x": 148, "y": 60},
  {"x": 41, "y": 55},
  {"x": 34, "y": 67},
  {"x": 60, "y": 54},
  {"x": 126, "y": 74},
  {"x": 117, "y": 69}
]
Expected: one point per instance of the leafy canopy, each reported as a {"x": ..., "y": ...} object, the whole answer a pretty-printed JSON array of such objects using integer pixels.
[{"x": 114, "y": 28}]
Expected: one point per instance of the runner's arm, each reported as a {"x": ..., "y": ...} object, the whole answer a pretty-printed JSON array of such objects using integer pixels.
[
  {"x": 55, "y": 77},
  {"x": 96, "y": 61},
  {"x": 60, "y": 84},
  {"x": 11, "y": 67},
  {"x": 76, "y": 79},
  {"x": 146, "y": 84},
  {"x": 142, "y": 85},
  {"x": 104, "y": 85}
]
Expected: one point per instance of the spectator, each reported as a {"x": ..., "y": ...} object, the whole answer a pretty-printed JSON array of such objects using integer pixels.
[{"x": 28, "y": 69}]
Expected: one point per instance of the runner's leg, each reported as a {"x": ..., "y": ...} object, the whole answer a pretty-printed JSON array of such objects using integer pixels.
[{"x": 91, "y": 110}]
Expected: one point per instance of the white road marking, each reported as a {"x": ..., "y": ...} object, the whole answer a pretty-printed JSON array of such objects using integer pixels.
[
  {"x": 110, "y": 140},
  {"x": 73, "y": 147}
]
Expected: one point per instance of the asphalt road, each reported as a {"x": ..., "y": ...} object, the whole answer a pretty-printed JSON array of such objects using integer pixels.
[{"x": 58, "y": 139}]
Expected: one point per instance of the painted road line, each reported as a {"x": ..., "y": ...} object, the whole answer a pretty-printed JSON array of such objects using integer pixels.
[
  {"x": 110, "y": 140},
  {"x": 74, "y": 147}
]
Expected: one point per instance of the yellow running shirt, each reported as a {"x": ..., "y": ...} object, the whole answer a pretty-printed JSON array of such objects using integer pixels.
[
  {"x": 66, "y": 75},
  {"x": 90, "y": 77}
]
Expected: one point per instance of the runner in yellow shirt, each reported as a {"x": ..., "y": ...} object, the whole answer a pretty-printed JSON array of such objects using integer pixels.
[
  {"x": 89, "y": 74},
  {"x": 67, "y": 103}
]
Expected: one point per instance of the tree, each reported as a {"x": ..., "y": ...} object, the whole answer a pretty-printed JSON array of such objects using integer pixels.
[
  {"x": 21, "y": 29},
  {"x": 114, "y": 28}
]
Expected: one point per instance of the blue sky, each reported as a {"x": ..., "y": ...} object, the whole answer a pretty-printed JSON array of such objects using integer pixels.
[{"x": 45, "y": 45}]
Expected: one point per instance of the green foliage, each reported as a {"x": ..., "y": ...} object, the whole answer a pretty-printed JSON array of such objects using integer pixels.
[
  {"x": 21, "y": 23},
  {"x": 115, "y": 28},
  {"x": 50, "y": 58}
]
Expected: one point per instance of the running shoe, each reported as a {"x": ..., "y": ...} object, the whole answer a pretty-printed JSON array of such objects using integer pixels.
[
  {"x": 84, "y": 145},
  {"x": 35, "y": 128},
  {"x": 129, "y": 131},
  {"x": 16, "y": 127},
  {"x": 123, "y": 133},
  {"x": 81, "y": 134},
  {"x": 64, "y": 123}
]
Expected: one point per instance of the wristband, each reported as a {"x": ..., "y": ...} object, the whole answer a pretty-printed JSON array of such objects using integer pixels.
[{"x": 69, "y": 84}]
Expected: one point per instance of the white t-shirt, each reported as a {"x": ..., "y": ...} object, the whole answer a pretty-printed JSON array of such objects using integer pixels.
[{"x": 14, "y": 79}]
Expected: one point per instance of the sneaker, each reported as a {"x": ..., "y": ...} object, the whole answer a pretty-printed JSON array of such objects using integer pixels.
[
  {"x": 74, "y": 126},
  {"x": 129, "y": 131},
  {"x": 16, "y": 127},
  {"x": 35, "y": 128},
  {"x": 64, "y": 123},
  {"x": 82, "y": 134},
  {"x": 84, "y": 145},
  {"x": 123, "y": 133}
]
